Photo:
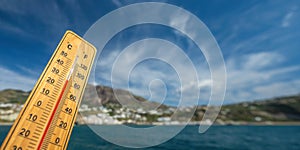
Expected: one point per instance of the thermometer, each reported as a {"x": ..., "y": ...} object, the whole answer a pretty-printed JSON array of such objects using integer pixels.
[{"x": 47, "y": 118}]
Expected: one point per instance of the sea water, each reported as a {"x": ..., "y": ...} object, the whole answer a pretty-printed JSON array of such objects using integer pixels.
[{"x": 216, "y": 138}]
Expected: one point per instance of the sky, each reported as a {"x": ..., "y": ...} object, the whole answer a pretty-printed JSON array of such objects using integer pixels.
[{"x": 259, "y": 41}]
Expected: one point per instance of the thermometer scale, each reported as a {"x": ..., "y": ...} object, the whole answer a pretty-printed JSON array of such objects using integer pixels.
[{"x": 47, "y": 118}]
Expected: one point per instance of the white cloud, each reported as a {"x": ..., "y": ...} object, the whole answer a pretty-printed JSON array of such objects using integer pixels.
[
  {"x": 241, "y": 31},
  {"x": 284, "y": 88},
  {"x": 246, "y": 81},
  {"x": 261, "y": 60},
  {"x": 246, "y": 72},
  {"x": 180, "y": 21},
  {"x": 13, "y": 80},
  {"x": 28, "y": 71},
  {"x": 167, "y": 64},
  {"x": 257, "y": 51},
  {"x": 193, "y": 85},
  {"x": 117, "y": 3},
  {"x": 287, "y": 19}
]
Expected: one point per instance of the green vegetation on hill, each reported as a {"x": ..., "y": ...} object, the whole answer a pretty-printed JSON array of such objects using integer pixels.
[
  {"x": 278, "y": 109},
  {"x": 13, "y": 96},
  {"x": 283, "y": 109}
]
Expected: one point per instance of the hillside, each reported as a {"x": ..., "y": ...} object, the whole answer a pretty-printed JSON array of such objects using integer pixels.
[
  {"x": 104, "y": 95},
  {"x": 283, "y": 109},
  {"x": 13, "y": 96},
  {"x": 277, "y": 109}
]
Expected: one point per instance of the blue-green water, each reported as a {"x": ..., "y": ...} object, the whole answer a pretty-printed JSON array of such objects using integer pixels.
[{"x": 216, "y": 138}]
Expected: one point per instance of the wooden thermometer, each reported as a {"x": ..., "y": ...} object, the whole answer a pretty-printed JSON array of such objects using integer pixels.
[{"x": 47, "y": 118}]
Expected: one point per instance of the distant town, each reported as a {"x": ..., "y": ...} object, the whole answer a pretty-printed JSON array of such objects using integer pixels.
[
  {"x": 120, "y": 115},
  {"x": 283, "y": 110},
  {"x": 113, "y": 114}
]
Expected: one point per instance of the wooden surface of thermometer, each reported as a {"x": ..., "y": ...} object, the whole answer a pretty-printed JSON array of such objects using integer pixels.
[{"x": 47, "y": 118}]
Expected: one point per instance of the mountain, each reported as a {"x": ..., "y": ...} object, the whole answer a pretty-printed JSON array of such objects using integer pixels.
[
  {"x": 276, "y": 109},
  {"x": 13, "y": 96},
  {"x": 93, "y": 96},
  {"x": 282, "y": 109},
  {"x": 104, "y": 95}
]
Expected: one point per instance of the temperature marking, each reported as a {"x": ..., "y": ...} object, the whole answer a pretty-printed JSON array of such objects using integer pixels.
[{"x": 47, "y": 118}]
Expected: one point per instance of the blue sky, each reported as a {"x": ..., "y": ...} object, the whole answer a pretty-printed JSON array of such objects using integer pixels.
[{"x": 259, "y": 41}]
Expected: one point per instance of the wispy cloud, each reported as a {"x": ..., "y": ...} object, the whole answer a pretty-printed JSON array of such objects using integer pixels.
[
  {"x": 283, "y": 88},
  {"x": 12, "y": 80},
  {"x": 146, "y": 61},
  {"x": 261, "y": 60},
  {"x": 251, "y": 61},
  {"x": 246, "y": 77},
  {"x": 286, "y": 21},
  {"x": 117, "y": 3},
  {"x": 49, "y": 16},
  {"x": 257, "y": 49},
  {"x": 28, "y": 71}
]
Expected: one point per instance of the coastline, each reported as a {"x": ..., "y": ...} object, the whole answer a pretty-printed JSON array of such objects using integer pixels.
[
  {"x": 197, "y": 123},
  {"x": 6, "y": 123}
]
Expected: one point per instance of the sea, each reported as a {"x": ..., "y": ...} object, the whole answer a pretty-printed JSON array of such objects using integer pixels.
[{"x": 216, "y": 138}]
